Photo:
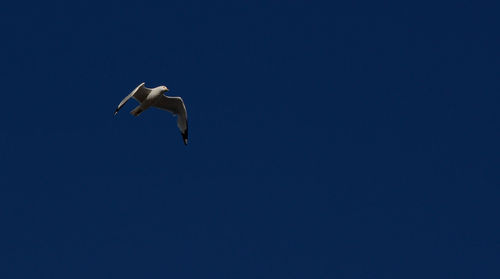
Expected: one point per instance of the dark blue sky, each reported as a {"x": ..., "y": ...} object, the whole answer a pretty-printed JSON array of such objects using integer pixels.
[{"x": 326, "y": 141}]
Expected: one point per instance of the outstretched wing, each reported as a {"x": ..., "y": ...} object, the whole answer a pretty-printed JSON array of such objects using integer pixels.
[
  {"x": 139, "y": 93},
  {"x": 176, "y": 106}
]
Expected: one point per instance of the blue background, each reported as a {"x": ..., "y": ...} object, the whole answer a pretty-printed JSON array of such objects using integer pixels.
[{"x": 327, "y": 140}]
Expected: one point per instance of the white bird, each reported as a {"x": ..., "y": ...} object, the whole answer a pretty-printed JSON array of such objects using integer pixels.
[{"x": 153, "y": 97}]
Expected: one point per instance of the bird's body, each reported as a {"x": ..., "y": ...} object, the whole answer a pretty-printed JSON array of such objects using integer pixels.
[
  {"x": 151, "y": 98},
  {"x": 154, "y": 97}
]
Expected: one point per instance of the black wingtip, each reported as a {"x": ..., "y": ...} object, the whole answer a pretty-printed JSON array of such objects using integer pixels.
[{"x": 185, "y": 137}]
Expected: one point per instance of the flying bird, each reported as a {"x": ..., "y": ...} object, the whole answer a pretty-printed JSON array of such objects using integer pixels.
[{"x": 154, "y": 97}]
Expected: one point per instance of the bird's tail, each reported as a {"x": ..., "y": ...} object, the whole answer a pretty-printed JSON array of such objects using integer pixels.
[{"x": 136, "y": 111}]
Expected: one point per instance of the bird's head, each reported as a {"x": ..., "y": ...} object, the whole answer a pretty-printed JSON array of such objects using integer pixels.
[{"x": 164, "y": 89}]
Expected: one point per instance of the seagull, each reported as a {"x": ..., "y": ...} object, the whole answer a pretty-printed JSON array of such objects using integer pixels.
[{"x": 153, "y": 97}]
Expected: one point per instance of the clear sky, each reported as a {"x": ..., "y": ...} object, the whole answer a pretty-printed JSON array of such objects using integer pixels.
[{"x": 351, "y": 140}]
